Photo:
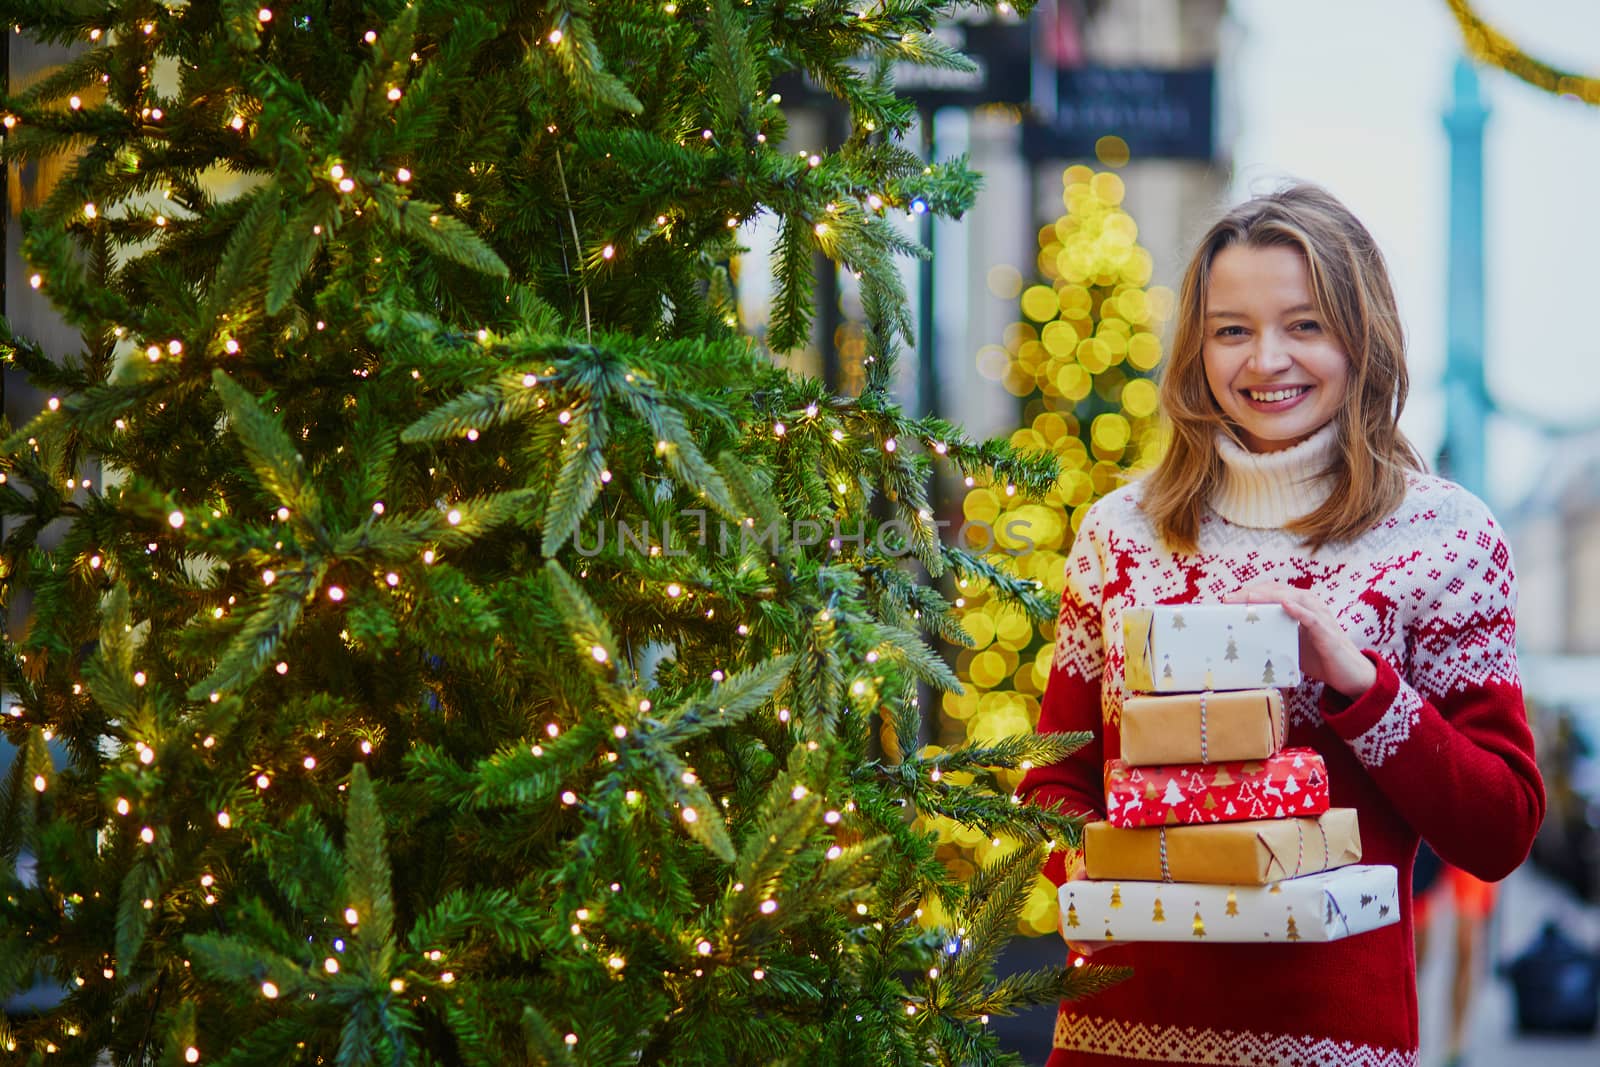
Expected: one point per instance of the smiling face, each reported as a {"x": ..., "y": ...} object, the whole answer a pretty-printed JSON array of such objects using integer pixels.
[{"x": 1272, "y": 364}]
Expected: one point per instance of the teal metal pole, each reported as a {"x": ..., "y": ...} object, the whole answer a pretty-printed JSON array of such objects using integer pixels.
[{"x": 1466, "y": 395}]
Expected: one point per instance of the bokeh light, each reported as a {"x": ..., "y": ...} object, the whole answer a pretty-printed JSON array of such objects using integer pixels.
[{"x": 1079, "y": 358}]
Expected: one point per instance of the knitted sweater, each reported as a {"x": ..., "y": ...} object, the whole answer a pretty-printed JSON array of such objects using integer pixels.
[{"x": 1438, "y": 747}]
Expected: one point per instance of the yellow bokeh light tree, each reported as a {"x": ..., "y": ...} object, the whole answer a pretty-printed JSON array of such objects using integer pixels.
[{"x": 1080, "y": 359}]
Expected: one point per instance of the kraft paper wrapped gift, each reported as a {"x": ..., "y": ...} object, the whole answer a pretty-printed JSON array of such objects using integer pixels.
[
  {"x": 1292, "y": 783},
  {"x": 1230, "y": 853},
  {"x": 1184, "y": 648},
  {"x": 1315, "y": 907},
  {"x": 1201, "y": 727}
]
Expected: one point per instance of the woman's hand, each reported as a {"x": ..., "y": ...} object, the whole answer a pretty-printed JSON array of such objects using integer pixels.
[
  {"x": 1326, "y": 653},
  {"x": 1076, "y": 873}
]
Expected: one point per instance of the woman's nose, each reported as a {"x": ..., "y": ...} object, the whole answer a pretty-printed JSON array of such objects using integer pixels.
[{"x": 1271, "y": 356}]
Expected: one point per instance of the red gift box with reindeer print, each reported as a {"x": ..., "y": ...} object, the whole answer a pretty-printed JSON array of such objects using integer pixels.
[{"x": 1292, "y": 783}]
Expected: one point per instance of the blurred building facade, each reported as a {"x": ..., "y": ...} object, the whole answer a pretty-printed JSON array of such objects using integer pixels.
[
  {"x": 1172, "y": 200},
  {"x": 1555, "y": 535}
]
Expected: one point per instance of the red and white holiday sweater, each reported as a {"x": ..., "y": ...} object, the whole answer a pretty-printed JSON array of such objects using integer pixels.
[{"x": 1438, "y": 748}]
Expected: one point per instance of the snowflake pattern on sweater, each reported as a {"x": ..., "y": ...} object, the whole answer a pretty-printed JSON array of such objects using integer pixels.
[
  {"x": 1439, "y": 748},
  {"x": 1453, "y": 599}
]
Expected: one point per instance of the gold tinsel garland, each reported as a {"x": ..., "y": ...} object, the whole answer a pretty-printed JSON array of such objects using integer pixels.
[{"x": 1489, "y": 45}]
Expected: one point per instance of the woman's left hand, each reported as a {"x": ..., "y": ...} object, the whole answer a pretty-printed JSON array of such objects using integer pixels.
[{"x": 1326, "y": 653}]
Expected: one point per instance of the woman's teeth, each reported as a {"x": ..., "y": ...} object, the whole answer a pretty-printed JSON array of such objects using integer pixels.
[{"x": 1276, "y": 394}]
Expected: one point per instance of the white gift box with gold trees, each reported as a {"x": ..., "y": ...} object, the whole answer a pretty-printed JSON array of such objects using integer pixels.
[
  {"x": 1327, "y": 906},
  {"x": 1187, "y": 648}
]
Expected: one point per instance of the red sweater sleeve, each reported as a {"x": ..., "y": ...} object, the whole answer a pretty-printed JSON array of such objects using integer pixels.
[
  {"x": 1071, "y": 700},
  {"x": 1446, "y": 737}
]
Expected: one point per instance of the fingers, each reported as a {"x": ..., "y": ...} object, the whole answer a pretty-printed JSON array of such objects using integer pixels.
[{"x": 1262, "y": 593}]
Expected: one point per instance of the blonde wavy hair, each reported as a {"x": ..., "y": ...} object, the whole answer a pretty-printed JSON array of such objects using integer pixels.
[{"x": 1350, "y": 285}]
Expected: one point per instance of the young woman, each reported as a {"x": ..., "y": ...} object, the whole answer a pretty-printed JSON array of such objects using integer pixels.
[{"x": 1288, "y": 480}]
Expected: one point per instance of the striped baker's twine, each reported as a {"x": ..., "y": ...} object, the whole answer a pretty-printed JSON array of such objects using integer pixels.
[
  {"x": 1166, "y": 871},
  {"x": 1300, "y": 835},
  {"x": 1204, "y": 748}
]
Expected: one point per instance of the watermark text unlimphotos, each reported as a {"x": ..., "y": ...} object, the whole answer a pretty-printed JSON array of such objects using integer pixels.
[{"x": 891, "y": 538}]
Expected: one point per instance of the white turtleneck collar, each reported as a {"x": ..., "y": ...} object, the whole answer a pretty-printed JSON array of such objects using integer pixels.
[{"x": 1266, "y": 490}]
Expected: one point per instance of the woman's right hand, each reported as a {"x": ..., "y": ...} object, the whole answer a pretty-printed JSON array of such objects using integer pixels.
[{"x": 1080, "y": 950}]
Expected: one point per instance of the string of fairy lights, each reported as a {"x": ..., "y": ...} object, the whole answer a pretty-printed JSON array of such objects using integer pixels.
[{"x": 1080, "y": 356}]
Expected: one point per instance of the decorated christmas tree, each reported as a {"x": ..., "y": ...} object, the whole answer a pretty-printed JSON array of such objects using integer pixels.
[
  {"x": 1080, "y": 360},
  {"x": 438, "y": 635}
]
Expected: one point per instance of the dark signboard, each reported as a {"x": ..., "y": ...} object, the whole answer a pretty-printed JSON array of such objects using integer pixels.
[
  {"x": 1002, "y": 53},
  {"x": 1164, "y": 114}
]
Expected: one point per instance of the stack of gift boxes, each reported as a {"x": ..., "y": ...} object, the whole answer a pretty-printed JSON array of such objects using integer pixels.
[{"x": 1214, "y": 830}]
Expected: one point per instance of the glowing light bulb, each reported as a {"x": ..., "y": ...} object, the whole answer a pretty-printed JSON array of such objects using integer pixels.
[
  {"x": 175, "y": 520},
  {"x": 147, "y": 835},
  {"x": 555, "y": 36},
  {"x": 309, "y": 763},
  {"x": 269, "y": 990},
  {"x": 122, "y": 806},
  {"x": 403, "y": 174},
  {"x": 351, "y": 916},
  {"x": 690, "y": 815},
  {"x": 394, "y": 93},
  {"x": 224, "y": 820}
]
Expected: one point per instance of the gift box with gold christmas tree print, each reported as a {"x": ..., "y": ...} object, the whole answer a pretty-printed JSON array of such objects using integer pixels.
[
  {"x": 1326, "y": 906},
  {"x": 1291, "y": 783},
  {"x": 1188, "y": 648},
  {"x": 1230, "y": 853}
]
